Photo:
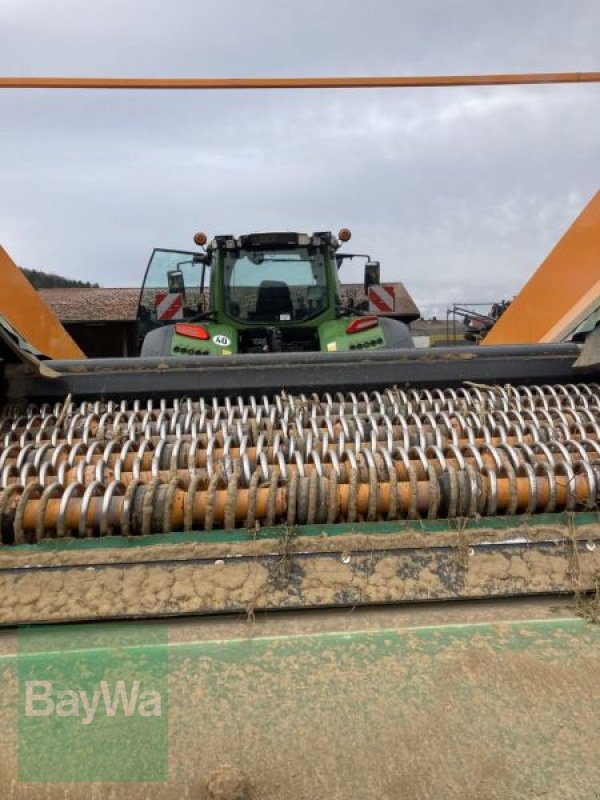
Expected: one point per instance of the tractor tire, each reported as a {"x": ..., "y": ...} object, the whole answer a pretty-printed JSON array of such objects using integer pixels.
[
  {"x": 396, "y": 333},
  {"x": 157, "y": 343}
]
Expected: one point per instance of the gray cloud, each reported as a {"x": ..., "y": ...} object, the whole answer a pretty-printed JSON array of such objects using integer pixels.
[{"x": 460, "y": 192}]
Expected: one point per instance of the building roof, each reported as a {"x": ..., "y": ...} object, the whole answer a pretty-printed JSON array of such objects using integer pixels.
[
  {"x": 404, "y": 304},
  {"x": 92, "y": 305},
  {"x": 120, "y": 305},
  {"x": 435, "y": 327}
]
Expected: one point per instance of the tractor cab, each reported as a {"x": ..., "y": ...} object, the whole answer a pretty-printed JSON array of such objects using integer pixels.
[
  {"x": 259, "y": 293},
  {"x": 279, "y": 279}
]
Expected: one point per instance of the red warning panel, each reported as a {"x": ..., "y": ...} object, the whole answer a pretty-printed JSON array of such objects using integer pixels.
[
  {"x": 382, "y": 299},
  {"x": 169, "y": 306}
]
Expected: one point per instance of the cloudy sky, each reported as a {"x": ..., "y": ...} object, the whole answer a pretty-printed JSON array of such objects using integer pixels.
[{"x": 459, "y": 192}]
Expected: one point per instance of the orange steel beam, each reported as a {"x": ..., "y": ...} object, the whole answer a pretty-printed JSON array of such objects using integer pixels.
[
  {"x": 562, "y": 292},
  {"x": 374, "y": 82},
  {"x": 24, "y": 308}
]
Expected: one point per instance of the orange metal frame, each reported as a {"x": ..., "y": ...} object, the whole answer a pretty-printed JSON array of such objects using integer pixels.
[
  {"x": 562, "y": 292},
  {"x": 350, "y": 82},
  {"x": 23, "y": 307}
]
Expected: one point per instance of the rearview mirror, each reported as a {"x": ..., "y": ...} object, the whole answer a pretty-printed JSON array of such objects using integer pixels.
[
  {"x": 372, "y": 274},
  {"x": 176, "y": 282}
]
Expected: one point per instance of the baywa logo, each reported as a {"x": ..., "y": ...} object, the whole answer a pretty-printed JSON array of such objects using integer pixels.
[
  {"x": 93, "y": 703},
  {"x": 41, "y": 700}
]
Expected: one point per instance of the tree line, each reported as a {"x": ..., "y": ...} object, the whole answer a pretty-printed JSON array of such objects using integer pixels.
[{"x": 47, "y": 280}]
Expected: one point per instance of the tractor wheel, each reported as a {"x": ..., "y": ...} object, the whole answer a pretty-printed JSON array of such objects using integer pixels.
[
  {"x": 157, "y": 343},
  {"x": 396, "y": 333}
]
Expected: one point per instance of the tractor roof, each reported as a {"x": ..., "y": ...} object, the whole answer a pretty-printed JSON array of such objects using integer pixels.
[{"x": 274, "y": 241}]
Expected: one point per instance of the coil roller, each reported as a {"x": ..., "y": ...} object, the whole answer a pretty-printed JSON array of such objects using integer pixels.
[{"x": 96, "y": 468}]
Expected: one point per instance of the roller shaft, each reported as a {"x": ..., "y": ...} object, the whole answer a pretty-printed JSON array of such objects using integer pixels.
[{"x": 103, "y": 468}]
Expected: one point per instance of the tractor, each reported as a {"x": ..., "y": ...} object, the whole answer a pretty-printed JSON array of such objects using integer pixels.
[{"x": 259, "y": 293}]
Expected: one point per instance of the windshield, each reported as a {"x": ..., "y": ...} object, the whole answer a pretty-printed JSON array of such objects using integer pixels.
[{"x": 275, "y": 285}]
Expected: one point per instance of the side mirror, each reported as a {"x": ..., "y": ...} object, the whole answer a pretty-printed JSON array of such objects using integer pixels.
[
  {"x": 176, "y": 282},
  {"x": 372, "y": 274}
]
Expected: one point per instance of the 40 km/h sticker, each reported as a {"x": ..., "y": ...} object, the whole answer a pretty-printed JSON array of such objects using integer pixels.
[{"x": 221, "y": 340}]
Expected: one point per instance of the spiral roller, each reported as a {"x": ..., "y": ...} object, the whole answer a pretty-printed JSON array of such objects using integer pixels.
[{"x": 142, "y": 467}]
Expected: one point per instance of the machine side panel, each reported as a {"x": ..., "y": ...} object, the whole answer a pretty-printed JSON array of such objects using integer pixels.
[
  {"x": 562, "y": 292},
  {"x": 23, "y": 307},
  {"x": 347, "y": 706}
]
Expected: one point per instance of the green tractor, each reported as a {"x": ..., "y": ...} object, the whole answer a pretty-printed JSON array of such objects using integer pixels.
[{"x": 260, "y": 293}]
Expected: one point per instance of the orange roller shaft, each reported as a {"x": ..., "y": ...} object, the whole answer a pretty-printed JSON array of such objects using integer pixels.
[{"x": 265, "y": 502}]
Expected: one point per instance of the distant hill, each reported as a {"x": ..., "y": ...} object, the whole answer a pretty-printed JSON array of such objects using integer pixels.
[{"x": 46, "y": 280}]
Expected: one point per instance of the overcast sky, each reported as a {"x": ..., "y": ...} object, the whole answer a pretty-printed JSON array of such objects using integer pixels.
[{"x": 459, "y": 192}]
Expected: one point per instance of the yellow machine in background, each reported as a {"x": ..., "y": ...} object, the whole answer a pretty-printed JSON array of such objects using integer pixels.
[
  {"x": 562, "y": 293},
  {"x": 24, "y": 309}
]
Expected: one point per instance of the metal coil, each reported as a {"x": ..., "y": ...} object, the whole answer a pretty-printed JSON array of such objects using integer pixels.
[{"x": 145, "y": 466}]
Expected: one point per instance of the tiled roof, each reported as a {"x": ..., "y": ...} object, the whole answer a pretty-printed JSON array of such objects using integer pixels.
[
  {"x": 404, "y": 302},
  {"x": 109, "y": 305},
  {"x": 92, "y": 305}
]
